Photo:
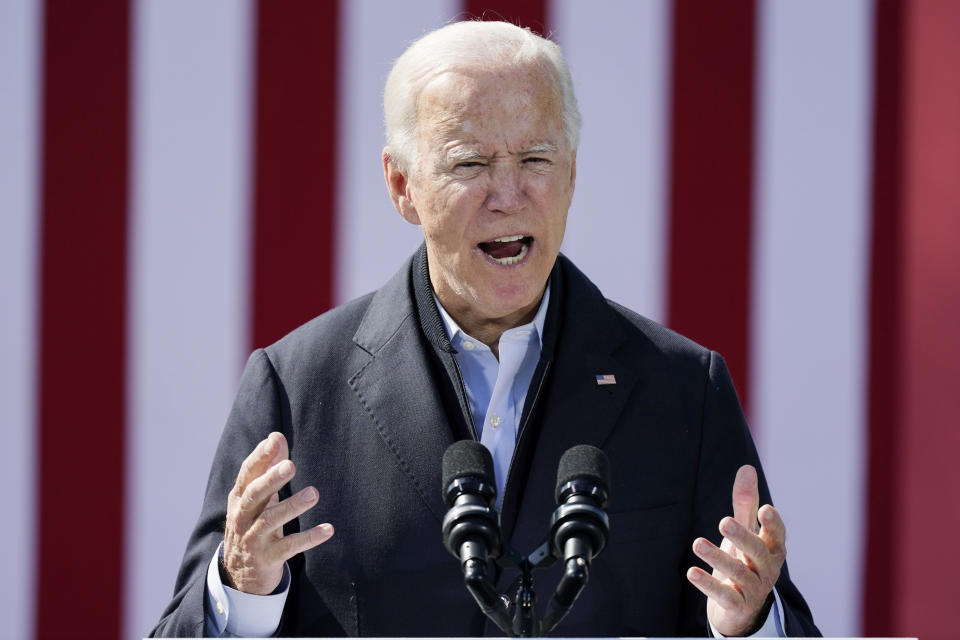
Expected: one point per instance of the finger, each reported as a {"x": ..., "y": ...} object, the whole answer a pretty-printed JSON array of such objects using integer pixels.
[
  {"x": 272, "y": 502},
  {"x": 726, "y": 565},
  {"x": 275, "y": 516},
  {"x": 296, "y": 543},
  {"x": 747, "y": 543},
  {"x": 746, "y": 497},
  {"x": 257, "y": 494},
  {"x": 724, "y": 594},
  {"x": 283, "y": 449},
  {"x": 773, "y": 531},
  {"x": 727, "y": 547},
  {"x": 263, "y": 456}
]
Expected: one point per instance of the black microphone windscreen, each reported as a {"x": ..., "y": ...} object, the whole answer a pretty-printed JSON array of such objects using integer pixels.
[
  {"x": 583, "y": 462},
  {"x": 467, "y": 458}
]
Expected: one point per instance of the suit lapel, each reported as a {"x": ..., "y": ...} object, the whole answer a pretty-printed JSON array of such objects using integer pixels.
[
  {"x": 577, "y": 410},
  {"x": 397, "y": 390},
  {"x": 580, "y": 410}
]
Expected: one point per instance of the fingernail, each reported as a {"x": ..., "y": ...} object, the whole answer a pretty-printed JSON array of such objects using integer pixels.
[
  {"x": 309, "y": 495},
  {"x": 271, "y": 445},
  {"x": 286, "y": 469},
  {"x": 700, "y": 546},
  {"x": 767, "y": 515}
]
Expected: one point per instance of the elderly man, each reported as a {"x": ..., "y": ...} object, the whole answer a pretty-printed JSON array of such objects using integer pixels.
[{"x": 485, "y": 333}]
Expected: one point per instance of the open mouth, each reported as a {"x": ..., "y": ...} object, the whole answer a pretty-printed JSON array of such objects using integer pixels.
[{"x": 507, "y": 250}]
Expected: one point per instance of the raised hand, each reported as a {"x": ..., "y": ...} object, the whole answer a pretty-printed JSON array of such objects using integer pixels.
[
  {"x": 747, "y": 564},
  {"x": 254, "y": 547}
]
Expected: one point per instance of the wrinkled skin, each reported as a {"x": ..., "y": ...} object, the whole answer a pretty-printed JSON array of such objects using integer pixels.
[{"x": 492, "y": 163}]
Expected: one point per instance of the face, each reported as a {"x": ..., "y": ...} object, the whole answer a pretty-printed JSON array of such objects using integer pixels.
[{"x": 491, "y": 187}]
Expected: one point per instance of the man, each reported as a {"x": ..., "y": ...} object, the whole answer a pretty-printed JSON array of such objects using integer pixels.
[{"x": 485, "y": 333}]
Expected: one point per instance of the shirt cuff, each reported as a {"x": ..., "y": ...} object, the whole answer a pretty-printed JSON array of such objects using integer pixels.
[
  {"x": 773, "y": 626},
  {"x": 237, "y": 614}
]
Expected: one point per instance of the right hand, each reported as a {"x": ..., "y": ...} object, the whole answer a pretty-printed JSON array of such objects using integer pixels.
[{"x": 254, "y": 547}]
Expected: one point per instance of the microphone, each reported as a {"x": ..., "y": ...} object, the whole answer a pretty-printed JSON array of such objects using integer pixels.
[
  {"x": 579, "y": 527},
  {"x": 471, "y": 527}
]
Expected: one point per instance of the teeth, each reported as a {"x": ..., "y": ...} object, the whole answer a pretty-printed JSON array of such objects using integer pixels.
[
  {"x": 508, "y": 239},
  {"x": 515, "y": 259}
]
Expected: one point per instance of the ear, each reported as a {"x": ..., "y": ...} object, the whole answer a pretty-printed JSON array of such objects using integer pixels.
[
  {"x": 398, "y": 185},
  {"x": 573, "y": 171}
]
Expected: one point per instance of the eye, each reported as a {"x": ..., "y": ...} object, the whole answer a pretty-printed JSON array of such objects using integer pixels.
[
  {"x": 536, "y": 160},
  {"x": 468, "y": 168}
]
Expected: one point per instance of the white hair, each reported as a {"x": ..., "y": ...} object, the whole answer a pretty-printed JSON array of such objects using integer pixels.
[{"x": 467, "y": 44}]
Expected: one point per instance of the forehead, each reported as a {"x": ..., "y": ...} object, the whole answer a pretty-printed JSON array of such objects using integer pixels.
[{"x": 490, "y": 101}]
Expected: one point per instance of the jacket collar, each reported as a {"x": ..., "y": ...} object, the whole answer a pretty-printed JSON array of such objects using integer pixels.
[
  {"x": 396, "y": 384},
  {"x": 393, "y": 385}
]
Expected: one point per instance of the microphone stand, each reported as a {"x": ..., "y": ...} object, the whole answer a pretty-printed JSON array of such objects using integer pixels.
[
  {"x": 526, "y": 623},
  {"x": 482, "y": 589},
  {"x": 519, "y": 618},
  {"x": 574, "y": 579}
]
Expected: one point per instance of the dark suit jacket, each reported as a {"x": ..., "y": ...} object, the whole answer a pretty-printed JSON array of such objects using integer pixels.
[{"x": 369, "y": 398}]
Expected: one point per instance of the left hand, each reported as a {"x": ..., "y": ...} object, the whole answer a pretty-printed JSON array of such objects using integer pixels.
[{"x": 747, "y": 563}]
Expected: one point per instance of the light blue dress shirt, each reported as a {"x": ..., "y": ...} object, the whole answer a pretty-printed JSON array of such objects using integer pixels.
[{"x": 497, "y": 389}]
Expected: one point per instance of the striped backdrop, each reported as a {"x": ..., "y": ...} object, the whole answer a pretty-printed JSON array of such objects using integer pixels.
[{"x": 779, "y": 180}]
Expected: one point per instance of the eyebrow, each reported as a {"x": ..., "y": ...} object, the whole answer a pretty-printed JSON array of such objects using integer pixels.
[
  {"x": 461, "y": 154},
  {"x": 472, "y": 154},
  {"x": 543, "y": 147}
]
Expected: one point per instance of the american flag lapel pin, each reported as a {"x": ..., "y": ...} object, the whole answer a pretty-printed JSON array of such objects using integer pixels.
[{"x": 606, "y": 378}]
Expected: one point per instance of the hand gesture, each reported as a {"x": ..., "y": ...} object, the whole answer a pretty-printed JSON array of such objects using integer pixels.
[
  {"x": 746, "y": 565},
  {"x": 254, "y": 547}
]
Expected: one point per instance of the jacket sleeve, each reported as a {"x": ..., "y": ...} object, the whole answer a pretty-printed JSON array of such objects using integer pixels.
[
  {"x": 258, "y": 409},
  {"x": 726, "y": 445}
]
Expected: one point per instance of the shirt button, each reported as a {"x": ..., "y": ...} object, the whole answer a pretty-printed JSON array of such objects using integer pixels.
[
  {"x": 469, "y": 346},
  {"x": 494, "y": 421}
]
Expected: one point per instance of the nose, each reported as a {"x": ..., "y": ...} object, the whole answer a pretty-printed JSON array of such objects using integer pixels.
[{"x": 506, "y": 192}]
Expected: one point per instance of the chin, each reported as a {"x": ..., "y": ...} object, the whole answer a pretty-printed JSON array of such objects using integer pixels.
[{"x": 504, "y": 303}]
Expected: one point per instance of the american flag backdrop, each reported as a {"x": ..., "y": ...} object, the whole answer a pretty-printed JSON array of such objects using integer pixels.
[{"x": 182, "y": 181}]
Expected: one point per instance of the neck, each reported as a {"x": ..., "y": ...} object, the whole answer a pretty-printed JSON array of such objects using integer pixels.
[{"x": 484, "y": 328}]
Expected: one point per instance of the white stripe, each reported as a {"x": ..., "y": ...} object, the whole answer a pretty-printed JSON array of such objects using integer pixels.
[
  {"x": 372, "y": 239},
  {"x": 20, "y": 41},
  {"x": 188, "y": 274},
  {"x": 810, "y": 280},
  {"x": 616, "y": 230}
]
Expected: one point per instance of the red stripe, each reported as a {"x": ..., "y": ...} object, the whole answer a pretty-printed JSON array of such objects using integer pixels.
[
  {"x": 80, "y": 471},
  {"x": 296, "y": 162},
  {"x": 710, "y": 182},
  {"x": 928, "y": 485},
  {"x": 526, "y": 13},
  {"x": 883, "y": 405}
]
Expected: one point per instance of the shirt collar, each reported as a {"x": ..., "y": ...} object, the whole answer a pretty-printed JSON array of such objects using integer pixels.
[{"x": 538, "y": 320}]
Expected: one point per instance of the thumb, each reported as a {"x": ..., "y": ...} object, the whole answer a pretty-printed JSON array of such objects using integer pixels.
[{"x": 746, "y": 498}]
